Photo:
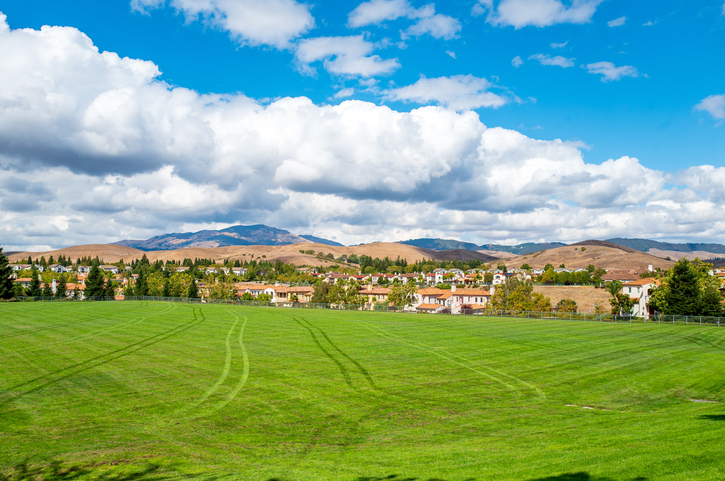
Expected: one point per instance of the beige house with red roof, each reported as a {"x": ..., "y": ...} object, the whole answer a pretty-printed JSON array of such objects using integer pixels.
[
  {"x": 639, "y": 291},
  {"x": 454, "y": 299}
]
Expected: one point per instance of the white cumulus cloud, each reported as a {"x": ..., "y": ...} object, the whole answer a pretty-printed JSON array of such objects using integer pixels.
[
  {"x": 252, "y": 22},
  {"x": 610, "y": 72},
  {"x": 459, "y": 92},
  {"x": 538, "y": 13},
  {"x": 426, "y": 20},
  {"x": 517, "y": 62},
  {"x": 94, "y": 148},
  {"x": 557, "y": 61},
  {"x": 378, "y": 11},
  {"x": 617, "y": 22},
  {"x": 713, "y": 105},
  {"x": 351, "y": 55}
]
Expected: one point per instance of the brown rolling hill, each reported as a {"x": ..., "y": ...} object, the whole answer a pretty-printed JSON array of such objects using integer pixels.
[
  {"x": 289, "y": 254},
  {"x": 599, "y": 253}
]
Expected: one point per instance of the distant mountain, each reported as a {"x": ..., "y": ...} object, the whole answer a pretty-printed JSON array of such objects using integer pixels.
[
  {"x": 238, "y": 235},
  {"x": 448, "y": 244},
  {"x": 644, "y": 245},
  {"x": 458, "y": 255},
  {"x": 440, "y": 244},
  {"x": 523, "y": 249},
  {"x": 320, "y": 240}
]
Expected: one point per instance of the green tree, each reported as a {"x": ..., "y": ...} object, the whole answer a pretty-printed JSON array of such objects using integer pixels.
[
  {"x": 683, "y": 295},
  {"x": 566, "y": 305},
  {"x": 48, "y": 290},
  {"x": 6, "y": 281},
  {"x": 526, "y": 267},
  {"x": 142, "y": 287},
  {"x": 61, "y": 287},
  {"x": 167, "y": 288},
  {"x": 222, "y": 289},
  {"x": 614, "y": 287},
  {"x": 34, "y": 287},
  {"x": 622, "y": 304},
  {"x": 321, "y": 294},
  {"x": 155, "y": 282},
  {"x": 193, "y": 291},
  {"x": 95, "y": 285},
  {"x": 402, "y": 295},
  {"x": 516, "y": 295}
]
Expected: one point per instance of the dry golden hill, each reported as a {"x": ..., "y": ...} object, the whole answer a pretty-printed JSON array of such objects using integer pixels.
[
  {"x": 289, "y": 254},
  {"x": 581, "y": 256},
  {"x": 586, "y": 297}
]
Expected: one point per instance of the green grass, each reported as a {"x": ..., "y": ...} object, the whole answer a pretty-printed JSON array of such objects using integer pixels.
[{"x": 132, "y": 390}]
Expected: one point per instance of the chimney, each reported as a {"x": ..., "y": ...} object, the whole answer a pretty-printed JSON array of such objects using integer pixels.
[{"x": 453, "y": 288}]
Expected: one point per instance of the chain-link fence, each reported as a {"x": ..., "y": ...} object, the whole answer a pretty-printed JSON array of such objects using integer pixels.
[{"x": 381, "y": 307}]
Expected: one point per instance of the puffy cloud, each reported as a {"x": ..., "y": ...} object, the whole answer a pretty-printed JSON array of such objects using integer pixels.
[
  {"x": 459, "y": 92},
  {"x": 517, "y": 62},
  {"x": 251, "y": 22},
  {"x": 610, "y": 72},
  {"x": 93, "y": 148},
  {"x": 350, "y": 56},
  {"x": 557, "y": 61},
  {"x": 617, "y": 22},
  {"x": 713, "y": 105},
  {"x": 343, "y": 93},
  {"x": 538, "y": 13},
  {"x": 375, "y": 12}
]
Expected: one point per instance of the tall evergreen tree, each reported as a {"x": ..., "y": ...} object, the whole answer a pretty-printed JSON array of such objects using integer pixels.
[
  {"x": 34, "y": 287},
  {"x": 711, "y": 301},
  {"x": 683, "y": 293},
  {"x": 48, "y": 290},
  {"x": 142, "y": 288},
  {"x": 6, "y": 281},
  {"x": 61, "y": 287},
  {"x": 95, "y": 285},
  {"x": 193, "y": 292},
  {"x": 167, "y": 288}
]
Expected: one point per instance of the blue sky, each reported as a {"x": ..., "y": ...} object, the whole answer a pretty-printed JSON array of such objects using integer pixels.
[{"x": 616, "y": 107}]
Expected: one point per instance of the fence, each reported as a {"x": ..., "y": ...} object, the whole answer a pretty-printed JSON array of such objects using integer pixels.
[{"x": 552, "y": 315}]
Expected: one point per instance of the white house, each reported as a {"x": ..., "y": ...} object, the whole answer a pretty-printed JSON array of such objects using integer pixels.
[{"x": 639, "y": 291}]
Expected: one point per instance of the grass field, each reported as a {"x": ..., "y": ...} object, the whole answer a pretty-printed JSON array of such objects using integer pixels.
[{"x": 132, "y": 390}]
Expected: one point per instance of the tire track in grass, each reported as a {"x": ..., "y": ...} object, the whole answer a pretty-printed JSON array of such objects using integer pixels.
[
  {"x": 92, "y": 334},
  {"x": 242, "y": 381},
  {"x": 359, "y": 366},
  {"x": 245, "y": 372},
  {"x": 453, "y": 359},
  {"x": 102, "y": 359},
  {"x": 222, "y": 377},
  {"x": 343, "y": 370}
]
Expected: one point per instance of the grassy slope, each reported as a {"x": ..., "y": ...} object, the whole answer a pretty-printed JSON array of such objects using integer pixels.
[{"x": 144, "y": 390}]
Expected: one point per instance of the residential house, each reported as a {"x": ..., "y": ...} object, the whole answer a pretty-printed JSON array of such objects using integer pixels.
[
  {"x": 624, "y": 277},
  {"x": 284, "y": 294},
  {"x": 58, "y": 269},
  {"x": 374, "y": 295},
  {"x": 639, "y": 291},
  {"x": 111, "y": 269}
]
